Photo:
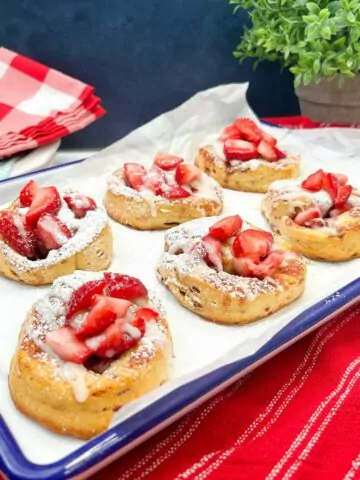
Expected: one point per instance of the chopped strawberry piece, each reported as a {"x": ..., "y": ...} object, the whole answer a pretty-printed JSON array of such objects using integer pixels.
[
  {"x": 267, "y": 151},
  {"x": 121, "y": 336},
  {"x": 341, "y": 178},
  {"x": 46, "y": 200},
  {"x": 123, "y": 286},
  {"x": 314, "y": 182},
  {"x": 239, "y": 150},
  {"x": 155, "y": 180},
  {"x": 330, "y": 185},
  {"x": 175, "y": 192},
  {"x": 245, "y": 264},
  {"x": 67, "y": 346},
  {"x": 268, "y": 267},
  {"x": 166, "y": 161},
  {"x": 249, "y": 130},
  {"x": 186, "y": 174},
  {"x": 81, "y": 298},
  {"x": 213, "y": 250},
  {"x": 134, "y": 175},
  {"x": 28, "y": 193},
  {"x": 51, "y": 232},
  {"x": 144, "y": 314},
  {"x": 226, "y": 227},
  {"x": 79, "y": 204},
  {"x": 104, "y": 312},
  {"x": 17, "y": 234},
  {"x": 230, "y": 132},
  {"x": 343, "y": 195},
  {"x": 279, "y": 153},
  {"x": 268, "y": 138},
  {"x": 306, "y": 215},
  {"x": 252, "y": 242}
]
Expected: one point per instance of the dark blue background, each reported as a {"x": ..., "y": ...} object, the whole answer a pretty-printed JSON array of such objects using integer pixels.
[{"x": 143, "y": 56}]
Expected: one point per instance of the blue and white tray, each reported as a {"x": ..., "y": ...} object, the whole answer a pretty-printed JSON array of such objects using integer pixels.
[{"x": 208, "y": 357}]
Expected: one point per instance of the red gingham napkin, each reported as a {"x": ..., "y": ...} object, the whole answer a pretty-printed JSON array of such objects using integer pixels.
[{"x": 39, "y": 104}]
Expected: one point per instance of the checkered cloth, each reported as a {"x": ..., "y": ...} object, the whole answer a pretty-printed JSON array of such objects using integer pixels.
[{"x": 39, "y": 104}]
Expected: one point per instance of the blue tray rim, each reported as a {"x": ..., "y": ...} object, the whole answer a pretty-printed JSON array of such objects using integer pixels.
[{"x": 16, "y": 466}]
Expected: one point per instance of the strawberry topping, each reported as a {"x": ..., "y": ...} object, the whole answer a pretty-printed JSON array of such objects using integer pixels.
[
  {"x": 268, "y": 138},
  {"x": 51, "y": 232},
  {"x": 248, "y": 129},
  {"x": 213, "y": 250},
  {"x": 239, "y": 150},
  {"x": 155, "y": 180},
  {"x": 186, "y": 173},
  {"x": 67, "y": 346},
  {"x": 123, "y": 286},
  {"x": 175, "y": 192},
  {"x": 268, "y": 152},
  {"x": 81, "y": 298},
  {"x": 79, "y": 204},
  {"x": 134, "y": 175},
  {"x": 230, "y": 132},
  {"x": 46, "y": 200},
  {"x": 166, "y": 161},
  {"x": 314, "y": 182},
  {"x": 302, "y": 218},
  {"x": 104, "y": 313},
  {"x": 226, "y": 227},
  {"x": 268, "y": 266},
  {"x": 244, "y": 265},
  {"x": 17, "y": 234},
  {"x": 342, "y": 196},
  {"x": 28, "y": 193},
  {"x": 252, "y": 242}
]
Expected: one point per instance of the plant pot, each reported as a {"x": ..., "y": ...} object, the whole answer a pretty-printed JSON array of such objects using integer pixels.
[{"x": 328, "y": 102}]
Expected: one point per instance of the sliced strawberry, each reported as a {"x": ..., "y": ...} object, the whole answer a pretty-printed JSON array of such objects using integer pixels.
[
  {"x": 144, "y": 314},
  {"x": 249, "y": 130},
  {"x": 51, "y": 232},
  {"x": 186, "y": 174},
  {"x": 81, "y": 298},
  {"x": 314, "y": 182},
  {"x": 230, "y": 132},
  {"x": 279, "y": 153},
  {"x": 47, "y": 200},
  {"x": 330, "y": 185},
  {"x": 67, "y": 346},
  {"x": 175, "y": 192},
  {"x": 226, "y": 227},
  {"x": 134, "y": 175},
  {"x": 268, "y": 138},
  {"x": 17, "y": 234},
  {"x": 155, "y": 180},
  {"x": 104, "y": 312},
  {"x": 123, "y": 286},
  {"x": 268, "y": 267},
  {"x": 306, "y": 215},
  {"x": 239, "y": 150},
  {"x": 166, "y": 161},
  {"x": 267, "y": 151},
  {"x": 252, "y": 242},
  {"x": 121, "y": 336},
  {"x": 341, "y": 178},
  {"x": 213, "y": 250},
  {"x": 245, "y": 264},
  {"x": 28, "y": 193},
  {"x": 343, "y": 195},
  {"x": 79, "y": 204}
]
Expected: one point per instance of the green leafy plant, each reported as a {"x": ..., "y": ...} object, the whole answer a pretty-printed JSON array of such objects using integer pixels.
[{"x": 315, "y": 40}]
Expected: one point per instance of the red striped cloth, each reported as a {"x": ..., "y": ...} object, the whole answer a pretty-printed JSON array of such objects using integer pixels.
[
  {"x": 295, "y": 417},
  {"x": 39, "y": 104}
]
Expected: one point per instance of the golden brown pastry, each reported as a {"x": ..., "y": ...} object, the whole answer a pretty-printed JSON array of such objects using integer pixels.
[
  {"x": 45, "y": 234},
  {"x": 319, "y": 215},
  {"x": 246, "y": 158},
  {"x": 169, "y": 193},
  {"x": 229, "y": 271},
  {"x": 92, "y": 344}
]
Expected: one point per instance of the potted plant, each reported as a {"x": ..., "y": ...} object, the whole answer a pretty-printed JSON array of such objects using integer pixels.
[{"x": 319, "y": 42}]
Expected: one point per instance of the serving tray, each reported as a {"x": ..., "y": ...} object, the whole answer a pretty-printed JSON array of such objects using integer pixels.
[{"x": 208, "y": 357}]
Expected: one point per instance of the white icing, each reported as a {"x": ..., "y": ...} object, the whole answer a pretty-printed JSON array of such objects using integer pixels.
[
  {"x": 131, "y": 330},
  {"x": 75, "y": 375}
]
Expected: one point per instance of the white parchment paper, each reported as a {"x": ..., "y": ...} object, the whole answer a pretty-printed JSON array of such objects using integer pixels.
[{"x": 199, "y": 346}]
